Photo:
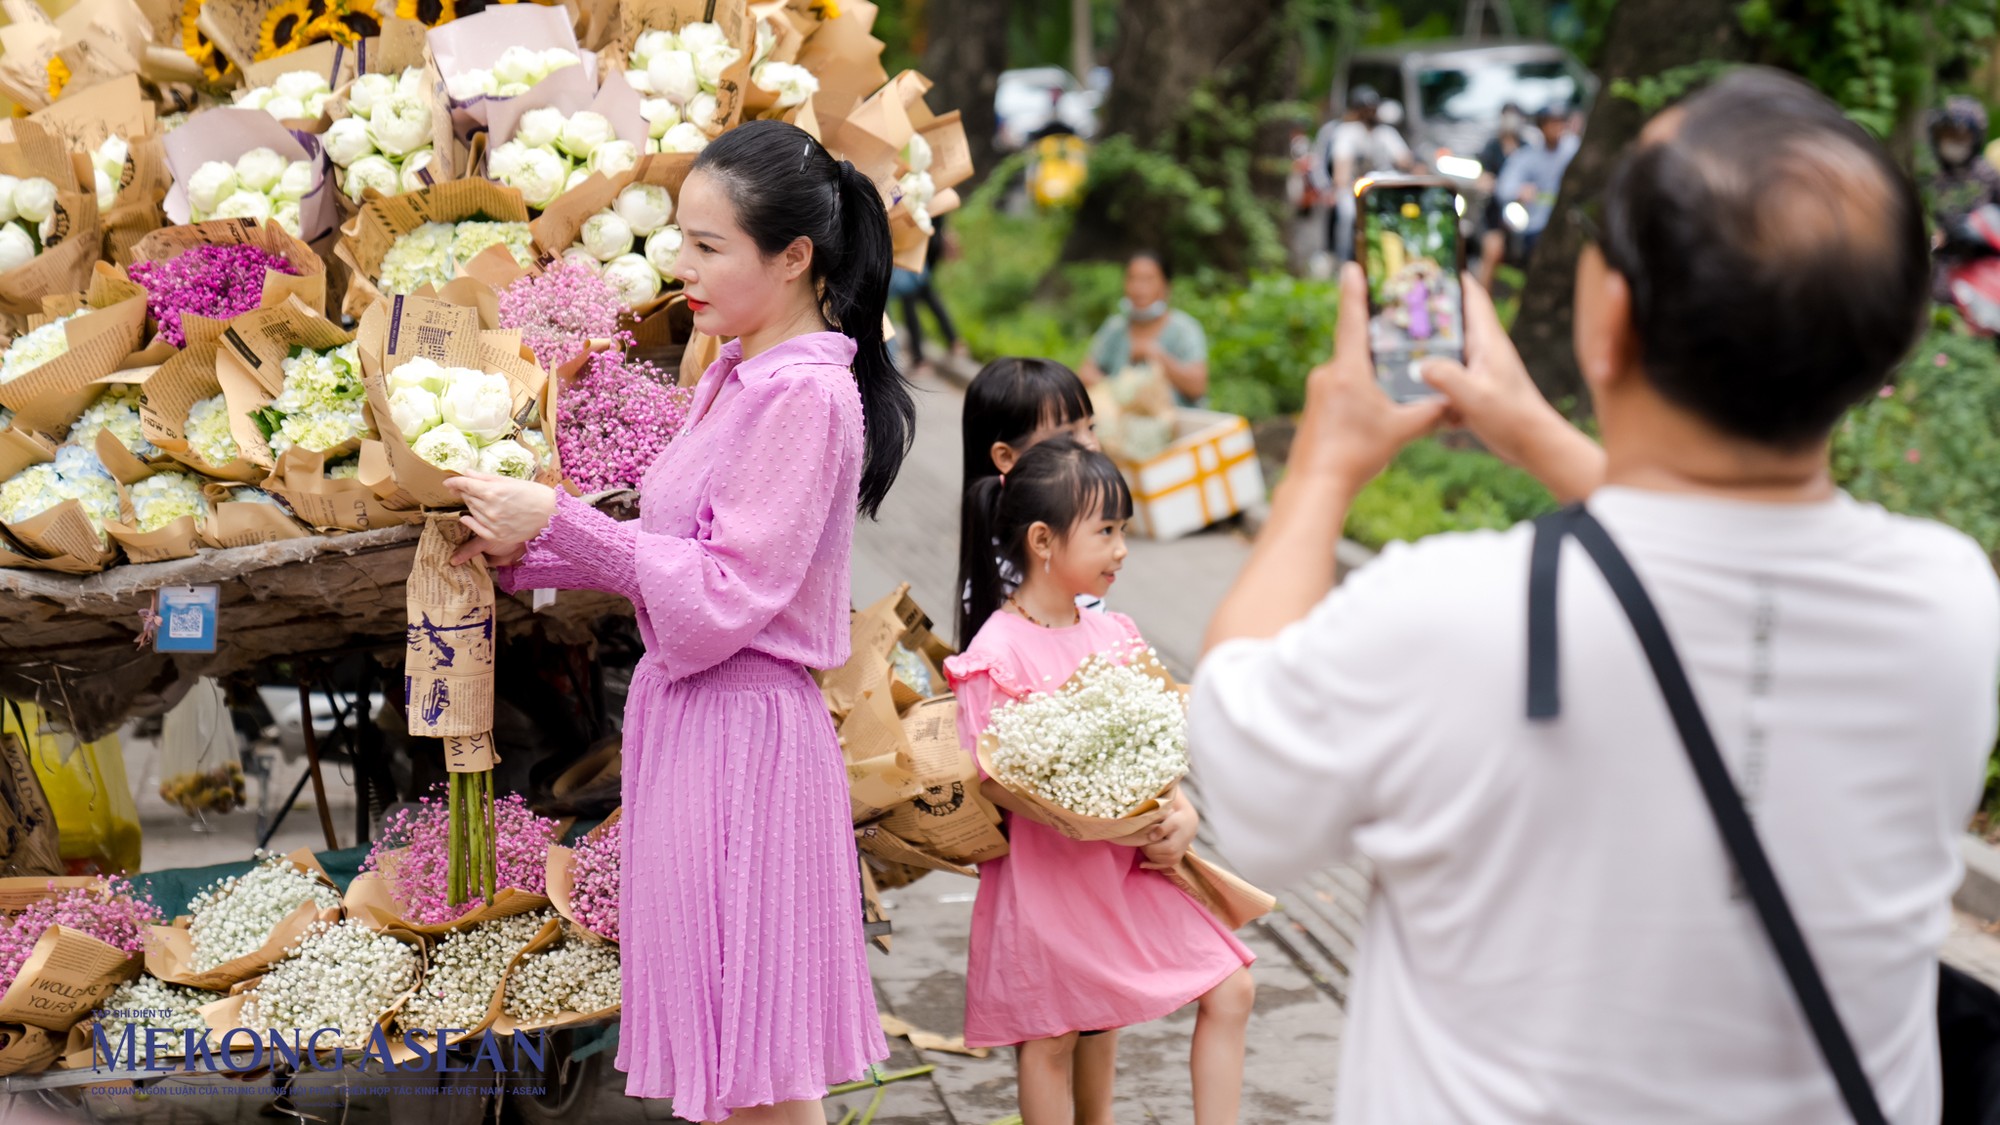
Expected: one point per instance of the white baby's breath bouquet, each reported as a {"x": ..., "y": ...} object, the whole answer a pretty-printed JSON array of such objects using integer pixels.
[{"x": 1099, "y": 755}]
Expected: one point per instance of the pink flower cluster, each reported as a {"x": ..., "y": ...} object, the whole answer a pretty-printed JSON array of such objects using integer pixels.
[
  {"x": 212, "y": 281},
  {"x": 593, "y": 894},
  {"x": 109, "y": 911},
  {"x": 560, "y": 310},
  {"x": 613, "y": 419},
  {"x": 420, "y": 876}
]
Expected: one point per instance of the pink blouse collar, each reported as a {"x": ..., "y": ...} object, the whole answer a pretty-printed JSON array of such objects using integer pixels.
[{"x": 813, "y": 347}]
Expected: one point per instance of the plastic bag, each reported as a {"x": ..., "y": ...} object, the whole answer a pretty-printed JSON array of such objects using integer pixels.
[
  {"x": 96, "y": 820},
  {"x": 200, "y": 767}
]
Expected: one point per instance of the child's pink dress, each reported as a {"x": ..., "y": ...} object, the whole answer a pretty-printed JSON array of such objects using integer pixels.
[{"x": 1070, "y": 935}]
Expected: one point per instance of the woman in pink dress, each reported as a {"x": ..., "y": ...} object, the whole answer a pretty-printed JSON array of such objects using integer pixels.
[
  {"x": 746, "y": 988},
  {"x": 1074, "y": 937}
]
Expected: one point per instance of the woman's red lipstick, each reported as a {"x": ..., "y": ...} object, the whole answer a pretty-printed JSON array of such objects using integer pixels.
[{"x": 696, "y": 306}]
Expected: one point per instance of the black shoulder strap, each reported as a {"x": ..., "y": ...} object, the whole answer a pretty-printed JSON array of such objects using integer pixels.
[{"x": 1724, "y": 803}]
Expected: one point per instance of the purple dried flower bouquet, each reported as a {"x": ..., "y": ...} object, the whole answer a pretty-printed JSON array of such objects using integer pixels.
[{"x": 218, "y": 282}]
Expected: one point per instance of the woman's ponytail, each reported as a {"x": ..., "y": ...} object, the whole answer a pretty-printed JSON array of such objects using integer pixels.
[
  {"x": 785, "y": 186},
  {"x": 855, "y": 297}
]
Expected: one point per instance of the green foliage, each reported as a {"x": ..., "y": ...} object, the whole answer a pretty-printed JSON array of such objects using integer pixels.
[
  {"x": 1263, "y": 336},
  {"x": 1929, "y": 448},
  {"x": 1429, "y": 488},
  {"x": 1655, "y": 92}
]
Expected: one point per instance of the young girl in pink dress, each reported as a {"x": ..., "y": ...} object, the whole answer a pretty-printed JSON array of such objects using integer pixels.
[{"x": 1074, "y": 937}]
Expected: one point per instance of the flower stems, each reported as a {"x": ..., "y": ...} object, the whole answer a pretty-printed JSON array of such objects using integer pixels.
[{"x": 473, "y": 870}]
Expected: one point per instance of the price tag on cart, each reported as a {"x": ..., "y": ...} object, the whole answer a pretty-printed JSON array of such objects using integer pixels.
[{"x": 187, "y": 619}]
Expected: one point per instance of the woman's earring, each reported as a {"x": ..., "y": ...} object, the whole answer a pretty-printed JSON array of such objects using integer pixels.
[{"x": 1045, "y": 563}]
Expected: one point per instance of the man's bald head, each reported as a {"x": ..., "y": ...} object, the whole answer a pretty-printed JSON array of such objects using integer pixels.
[{"x": 1775, "y": 253}]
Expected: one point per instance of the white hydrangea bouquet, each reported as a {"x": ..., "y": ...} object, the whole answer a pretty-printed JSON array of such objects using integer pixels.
[
  {"x": 400, "y": 244},
  {"x": 240, "y": 926},
  {"x": 382, "y": 138},
  {"x": 293, "y": 382},
  {"x": 1100, "y": 755}
]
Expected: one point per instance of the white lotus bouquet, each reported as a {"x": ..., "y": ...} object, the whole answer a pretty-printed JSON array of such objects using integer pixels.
[
  {"x": 320, "y": 405},
  {"x": 384, "y": 143},
  {"x": 551, "y": 152},
  {"x": 632, "y": 244},
  {"x": 261, "y": 185},
  {"x": 107, "y": 162},
  {"x": 27, "y": 218},
  {"x": 430, "y": 254},
  {"x": 685, "y": 70},
  {"x": 459, "y": 419},
  {"x": 515, "y": 72},
  {"x": 1108, "y": 745},
  {"x": 292, "y": 96},
  {"x": 916, "y": 184}
]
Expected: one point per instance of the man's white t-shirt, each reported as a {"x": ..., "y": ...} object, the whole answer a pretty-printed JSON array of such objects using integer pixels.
[{"x": 1555, "y": 934}]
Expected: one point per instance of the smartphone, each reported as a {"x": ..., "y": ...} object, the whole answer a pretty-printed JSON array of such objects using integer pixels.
[{"x": 1408, "y": 241}]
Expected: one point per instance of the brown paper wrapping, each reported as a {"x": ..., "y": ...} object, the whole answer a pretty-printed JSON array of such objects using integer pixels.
[
  {"x": 371, "y": 899},
  {"x": 59, "y": 539},
  {"x": 171, "y": 392},
  {"x": 68, "y": 973},
  {"x": 448, "y": 666},
  {"x": 873, "y": 134},
  {"x": 951, "y": 153},
  {"x": 947, "y": 818},
  {"x": 177, "y": 540},
  {"x": 505, "y": 1024},
  {"x": 226, "y": 1015},
  {"x": 85, "y": 120},
  {"x": 732, "y": 16},
  {"x": 1232, "y": 900},
  {"x": 249, "y": 364},
  {"x": 326, "y": 504},
  {"x": 170, "y": 952},
  {"x": 383, "y": 220},
  {"x": 75, "y": 239},
  {"x": 49, "y": 397},
  {"x": 25, "y": 1049},
  {"x": 847, "y": 59},
  {"x": 246, "y": 523},
  {"x": 560, "y": 873},
  {"x": 308, "y": 285}
]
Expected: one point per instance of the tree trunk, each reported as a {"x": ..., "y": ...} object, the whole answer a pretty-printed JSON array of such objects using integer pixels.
[
  {"x": 964, "y": 55},
  {"x": 1241, "y": 52},
  {"x": 1645, "y": 37}
]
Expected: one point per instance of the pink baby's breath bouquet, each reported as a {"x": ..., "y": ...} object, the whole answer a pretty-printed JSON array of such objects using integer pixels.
[
  {"x": 406, "y": 878},
  {"x": 612, "y": 419},
  {"x": 218, "y": 282},
  {"x": 560, "y": 310},
  {"x": 583, "y": 879},
  {"x": 62, "y": 955}
]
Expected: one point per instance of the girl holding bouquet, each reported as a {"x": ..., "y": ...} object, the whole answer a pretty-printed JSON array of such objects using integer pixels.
[
  {"x": 746, "y": 987},
  {"x": 1071, "y": 937}
]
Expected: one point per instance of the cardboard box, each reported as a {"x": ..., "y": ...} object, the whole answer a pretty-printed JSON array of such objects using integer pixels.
[{"x": 1209, "y": 473}]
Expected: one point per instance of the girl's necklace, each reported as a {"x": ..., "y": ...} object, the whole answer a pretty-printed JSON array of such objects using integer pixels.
[{"x": 1023, "y": 611}]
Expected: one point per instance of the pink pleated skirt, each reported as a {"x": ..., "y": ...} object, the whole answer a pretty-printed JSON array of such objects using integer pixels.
[{"x": 745, "y": 971}]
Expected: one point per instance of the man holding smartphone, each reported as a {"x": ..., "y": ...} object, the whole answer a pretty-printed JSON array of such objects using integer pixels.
[{"x": 1557, "y": 933}]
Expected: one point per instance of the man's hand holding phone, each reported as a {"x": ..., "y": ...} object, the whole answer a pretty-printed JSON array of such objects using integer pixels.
[
  {"x": 1351, "y": 428},
  {"x": 1492, "y": 395}
]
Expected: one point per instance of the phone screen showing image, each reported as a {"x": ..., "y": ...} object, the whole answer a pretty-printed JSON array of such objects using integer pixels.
[{"x": 1410, "y": 250}]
